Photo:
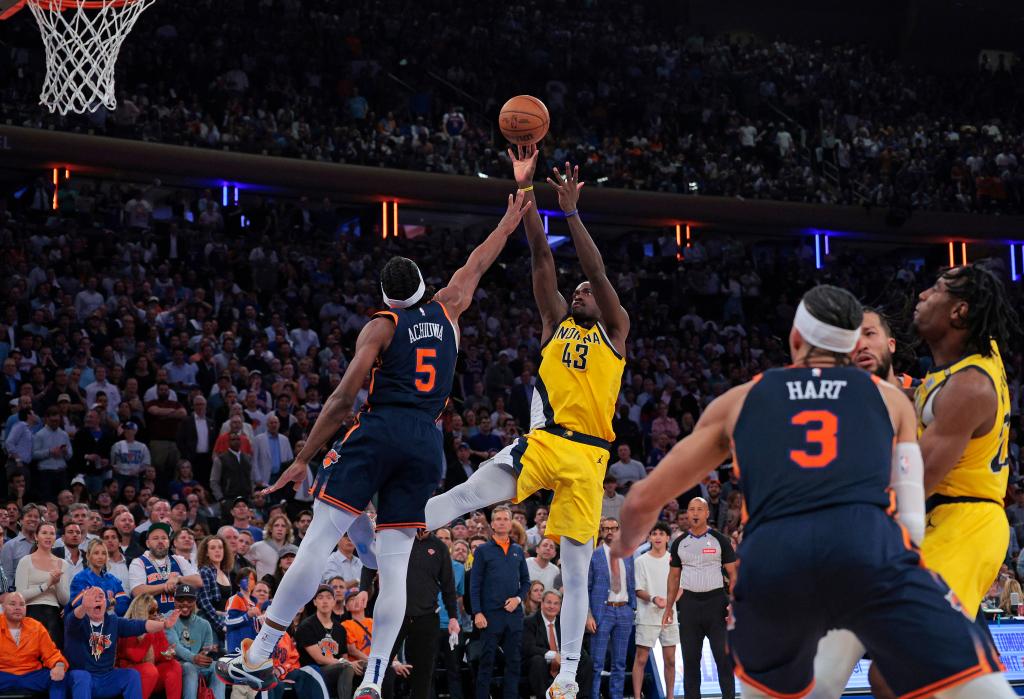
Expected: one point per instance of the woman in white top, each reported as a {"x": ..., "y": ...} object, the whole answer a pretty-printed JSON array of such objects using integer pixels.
[
  {"x": 264, "y": 554},
  {"x": 45, "y": 582}
]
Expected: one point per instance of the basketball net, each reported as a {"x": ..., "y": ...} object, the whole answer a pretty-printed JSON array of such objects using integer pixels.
[{"x": 82, "y": 39}]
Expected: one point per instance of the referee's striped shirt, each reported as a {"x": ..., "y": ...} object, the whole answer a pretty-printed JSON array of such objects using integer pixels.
[{"x": 701, "y": 559}]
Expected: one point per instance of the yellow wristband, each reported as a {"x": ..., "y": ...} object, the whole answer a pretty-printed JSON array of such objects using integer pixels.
[{"x": 526, "y": 189}]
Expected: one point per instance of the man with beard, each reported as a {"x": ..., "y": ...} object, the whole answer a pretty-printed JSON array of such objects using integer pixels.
[
  {"x": 157, "y": 573},
  {"x": 875, "y": 349}
]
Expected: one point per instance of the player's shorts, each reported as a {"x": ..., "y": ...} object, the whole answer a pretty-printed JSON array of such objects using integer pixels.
[
  {"x": 966, "y": 543},
  {"x": 571, "y": 464},
  {"x": 648, "y": 634},
  {"x": 848, "y": 567},
  {"x": 396, "y": 453}
]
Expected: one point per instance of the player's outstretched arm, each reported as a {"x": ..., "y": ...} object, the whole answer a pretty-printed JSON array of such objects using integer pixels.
[
  {"x": 614, "y": 315},
  {"x": 682, "y": 468},
  {"x": 373, "y": 338},
  {"x": 457, "y": 296},
  {"x": 550, "y": 302}
]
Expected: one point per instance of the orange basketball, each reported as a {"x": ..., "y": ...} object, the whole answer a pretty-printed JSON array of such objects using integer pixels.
[{"x": 524, "y": 120}]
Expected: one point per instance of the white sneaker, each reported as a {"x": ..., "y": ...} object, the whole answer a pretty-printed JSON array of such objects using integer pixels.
[{"x": 369, "y": 691}]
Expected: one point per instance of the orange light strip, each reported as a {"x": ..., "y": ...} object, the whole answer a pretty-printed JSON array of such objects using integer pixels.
[
  {"x": 679, "y": 242},
  {"x": 394, "y": 221},
  {"x": 54, "y": 189},
  {"x": 963, "y": 252},
  {"x": 952, "y": 263},
  {"x": 384, "y": 220},
  {"x": 67, "y": 173},
  {"x": 687, "y": 235}
]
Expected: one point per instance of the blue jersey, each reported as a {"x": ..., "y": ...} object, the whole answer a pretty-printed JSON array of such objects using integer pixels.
[
  {"x": 808, "y": 439},
  {"x": 418, "y": 367}
]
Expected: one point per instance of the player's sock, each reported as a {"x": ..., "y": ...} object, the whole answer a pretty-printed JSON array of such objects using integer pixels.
[
  {"x": 393, "y": 548},
  {"x": 491, "y": 483},
  {"x": 838, "y": 653},
  {"x": 575, "y": 559},
  {"x": 991, "y": 686},
  {"x": 300, "y": 581}
]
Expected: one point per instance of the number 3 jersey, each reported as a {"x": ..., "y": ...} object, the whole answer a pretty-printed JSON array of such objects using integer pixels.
[
  {"x": 812, "y": 438},
  {"x": 417, "y": 368},
  {"x": 578, "y": 381}
]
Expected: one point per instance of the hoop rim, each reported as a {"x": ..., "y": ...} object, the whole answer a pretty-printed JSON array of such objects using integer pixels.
[{"x": 64, "y": 5}]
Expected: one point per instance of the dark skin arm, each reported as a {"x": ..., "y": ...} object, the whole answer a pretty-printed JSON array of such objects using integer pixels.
[
  {"x": 373, "y": 339},
  {"x": 966, "y": 407},
  {"x": 614, "y": 316},
  {"x": 550, "y": 302},
  {"x": 457, "y": 296}
]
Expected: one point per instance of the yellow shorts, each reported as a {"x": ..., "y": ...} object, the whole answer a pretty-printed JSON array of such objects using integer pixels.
[
  {"x": 966, "y": 543},
  {"x": 572, "y": 469}
]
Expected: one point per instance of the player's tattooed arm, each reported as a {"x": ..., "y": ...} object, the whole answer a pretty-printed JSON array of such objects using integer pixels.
[
  {"x": 457, "y": 296},
  {"x": 551, "y": 304},
  {"x": 615, "y": 318}
]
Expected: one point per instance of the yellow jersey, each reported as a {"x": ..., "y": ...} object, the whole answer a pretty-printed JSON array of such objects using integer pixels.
[
  {"x": 982, "y": 469},
  {"x": 578, "y": 381}
]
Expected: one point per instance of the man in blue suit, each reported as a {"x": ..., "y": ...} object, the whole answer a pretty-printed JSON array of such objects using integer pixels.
[
  {"x": 611, "y": 584},
  {"x": 499, "y": 584}
]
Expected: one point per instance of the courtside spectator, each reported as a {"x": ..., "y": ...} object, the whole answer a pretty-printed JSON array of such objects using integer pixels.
[
  {"x": 96, "y": 574},
  {"x": 542, "y": 642},
  {"x": 541, "y": 567},
  {"x": 157, "y": 571},
  {"x": 31, "y": 660},
  {"x": 652, "y": 570},
  {"x": 150, "y": 654},
  {"x": 323, "y": 643},
  {"x": 92, "y": 639},
  {"x": 611, "y": 500},
  {"x": 44, "y": 583},
  {"x": 195, "y": 645},
  {"x": 276, "y": 535},
  {"x": 344, "y": 563},
  {"x": 612, "y": 590},
  {"x": 245, "y": 609},
  {"x": 499, "y": 584}
]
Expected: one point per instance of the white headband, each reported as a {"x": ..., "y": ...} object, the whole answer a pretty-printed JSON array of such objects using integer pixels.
[
  {"x": 411, "y": 301},
  {"x": 823, "y": 335}
]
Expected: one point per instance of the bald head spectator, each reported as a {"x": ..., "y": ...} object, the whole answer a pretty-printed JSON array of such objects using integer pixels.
[
  {"x": 31, "y": 660},
  {"x": 270, "y": 450}
]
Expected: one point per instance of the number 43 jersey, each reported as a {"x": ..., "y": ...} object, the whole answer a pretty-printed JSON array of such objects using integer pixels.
[
  {"x": 417, "y": 368},
  {"x": 578, "y": 381},
  {"x": 810, "y": 438}
]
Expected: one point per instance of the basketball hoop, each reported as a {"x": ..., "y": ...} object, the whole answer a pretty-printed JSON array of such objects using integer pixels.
[{"x": 82, "y": 40}]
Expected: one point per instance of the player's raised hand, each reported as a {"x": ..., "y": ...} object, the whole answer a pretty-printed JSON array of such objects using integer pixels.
[
  {"x": 294, "y": 474},
  {"x": 517, "y": 206},
  {"x": 525, "y": 164},
  {"x": 567, "y": 186}
]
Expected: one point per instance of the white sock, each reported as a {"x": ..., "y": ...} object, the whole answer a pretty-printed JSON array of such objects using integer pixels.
[
  {"x": 301, "y": 579},
  {"x": 575, "y": 559},
  {"x": 491, "y": 483},
  {"x": 838, "y": 653},
  {"x": 393, "y": 548}
]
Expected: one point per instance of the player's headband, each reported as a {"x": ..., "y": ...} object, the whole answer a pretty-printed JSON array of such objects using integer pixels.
[
  {"x": 823, "y": 335},
  {"x": 411, "y": 301}
]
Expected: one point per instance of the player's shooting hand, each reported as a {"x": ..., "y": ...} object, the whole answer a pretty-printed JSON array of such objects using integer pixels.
[
  {"x": 294, "y": 475},
  {"x": 568, "y": 187},
  {"x": 524, "y": 164},
  {"x": 517, "y": 206}
]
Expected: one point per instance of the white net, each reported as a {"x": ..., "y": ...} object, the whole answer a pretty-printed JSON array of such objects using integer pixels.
[{"x": 82, "y": 39}]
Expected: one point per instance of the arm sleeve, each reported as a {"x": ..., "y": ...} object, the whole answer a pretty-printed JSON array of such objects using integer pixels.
[
  {"x": 130, "y": 627},
  {"x": 49, "y": 654},
  {"x": 237, "y": 612},
  {"x": 907, "y": 481}
]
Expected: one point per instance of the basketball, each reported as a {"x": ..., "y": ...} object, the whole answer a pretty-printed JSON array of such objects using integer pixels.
[{"x": 524, "y": 120}]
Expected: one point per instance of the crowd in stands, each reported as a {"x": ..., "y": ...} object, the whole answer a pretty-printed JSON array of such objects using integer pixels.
[
  {"x": 640, "y": 100},
  {"x": 158, "y": 374}
]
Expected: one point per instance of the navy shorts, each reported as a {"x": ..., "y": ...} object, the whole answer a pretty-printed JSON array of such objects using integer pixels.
[
  {"x": 848, "y": 567},
  {"x": 394, "y": 453}
]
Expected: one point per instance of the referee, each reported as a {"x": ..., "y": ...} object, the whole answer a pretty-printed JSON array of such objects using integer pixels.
[{"x": 697, "y": 560}]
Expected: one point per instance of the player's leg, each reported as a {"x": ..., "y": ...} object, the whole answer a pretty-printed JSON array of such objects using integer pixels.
[
  {"x": 839, "y": 651},
  {"x": 575, "y": 560},
  {"x": 493, "y": 482},
  {"x": 393, "y": 548}
]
